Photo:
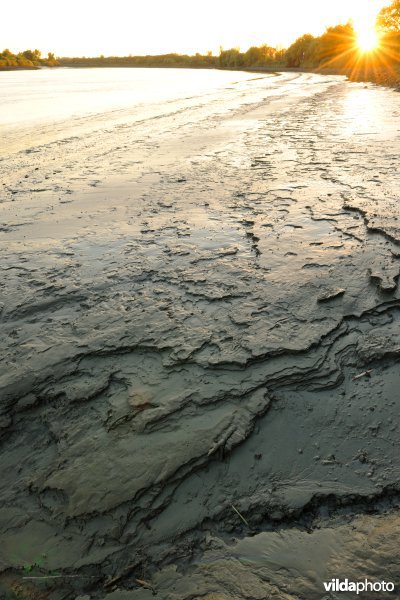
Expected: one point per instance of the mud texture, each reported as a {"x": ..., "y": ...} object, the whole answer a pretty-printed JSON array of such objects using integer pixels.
[{"x": 200, "y": 345}]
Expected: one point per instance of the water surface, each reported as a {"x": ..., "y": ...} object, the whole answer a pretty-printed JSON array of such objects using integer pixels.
[{"x": 31, "y": 100}]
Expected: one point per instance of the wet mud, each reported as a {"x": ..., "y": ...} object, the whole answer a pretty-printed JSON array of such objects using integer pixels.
[{"x": 200, "y": 345}]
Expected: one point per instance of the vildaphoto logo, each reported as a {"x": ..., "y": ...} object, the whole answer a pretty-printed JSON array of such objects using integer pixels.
[{"x": 344, "y": 585}]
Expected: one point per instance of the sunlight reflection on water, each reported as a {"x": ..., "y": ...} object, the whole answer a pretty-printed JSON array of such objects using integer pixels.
[
  {"x": 47, "y": 94},
  {"x": 366, "y": 112}
]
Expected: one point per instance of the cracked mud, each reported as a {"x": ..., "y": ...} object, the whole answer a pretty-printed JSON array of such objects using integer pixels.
[{"x": 200, "y": 349}]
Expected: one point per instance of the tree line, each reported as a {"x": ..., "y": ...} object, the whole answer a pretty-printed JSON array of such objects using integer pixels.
[
  {"x": 336, "y": 49},
  {"x": 151, "y": 60}
]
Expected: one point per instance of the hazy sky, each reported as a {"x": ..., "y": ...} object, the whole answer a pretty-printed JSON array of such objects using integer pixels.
[{"x": 121, "y": 27}]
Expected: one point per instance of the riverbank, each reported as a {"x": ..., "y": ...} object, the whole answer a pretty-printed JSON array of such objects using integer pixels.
[
  {"x": 382, "y": 77},
  {"x": 387, "y": 78},
  {"x": 24, "y": 68}
]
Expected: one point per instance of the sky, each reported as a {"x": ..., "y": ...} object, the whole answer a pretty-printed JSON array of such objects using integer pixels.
[{"x": 122, "y": 27}]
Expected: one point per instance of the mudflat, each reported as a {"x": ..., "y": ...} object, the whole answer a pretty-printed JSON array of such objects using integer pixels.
[{"x": 200, "y": 341}]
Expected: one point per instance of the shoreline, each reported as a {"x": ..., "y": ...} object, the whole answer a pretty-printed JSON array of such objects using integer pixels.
[
  {"x": 381, "y": 78},
  {"x": 25, "y": 68}
]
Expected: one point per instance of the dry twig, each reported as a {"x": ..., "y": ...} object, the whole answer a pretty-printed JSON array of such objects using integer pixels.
[
  {"x": 363, "y": 374},
  {"x": 241, "y": 516}
]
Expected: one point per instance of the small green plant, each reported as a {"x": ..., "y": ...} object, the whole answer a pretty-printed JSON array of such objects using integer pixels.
[{"x": 28, "y": 568}]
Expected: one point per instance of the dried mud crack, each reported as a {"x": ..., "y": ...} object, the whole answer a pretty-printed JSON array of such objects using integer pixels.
[{"x": 200, "y": 344}]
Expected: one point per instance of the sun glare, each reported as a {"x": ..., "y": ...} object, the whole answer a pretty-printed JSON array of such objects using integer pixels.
[{"x": 367, "y": 39}]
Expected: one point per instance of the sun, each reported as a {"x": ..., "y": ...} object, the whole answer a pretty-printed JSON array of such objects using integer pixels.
[
  {"x": 364, "y": 23},
  {"x": 367, "y": 39}
]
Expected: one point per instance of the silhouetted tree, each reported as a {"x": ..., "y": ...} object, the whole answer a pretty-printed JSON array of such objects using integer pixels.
[
  {"x": 336, "y": 46},
  {"x": 302, "y": 52}
]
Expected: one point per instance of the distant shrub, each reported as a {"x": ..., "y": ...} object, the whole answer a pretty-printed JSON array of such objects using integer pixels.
[{"x": 26, "y": 59}]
